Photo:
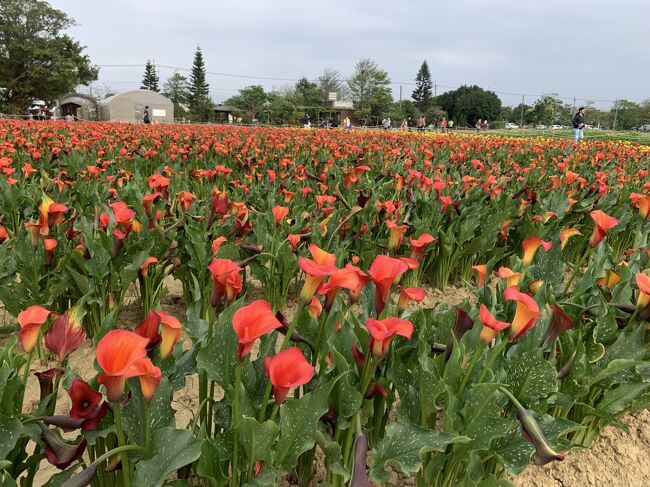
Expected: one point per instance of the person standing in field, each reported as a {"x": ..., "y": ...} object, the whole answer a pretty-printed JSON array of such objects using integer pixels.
[
  {"x": 145, "y": 115},
  {"x": 478, "y": 125},
  {"x": 443, "y": 124},
  {"x": 405, "y": 125},
  {"x": 579, "y": 125}
]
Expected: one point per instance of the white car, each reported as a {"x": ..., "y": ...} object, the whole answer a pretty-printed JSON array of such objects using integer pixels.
[
  {"x": 556, "y": 127},
  {"x": 510, "y": 125},
  {"x": 541, "y": 127}
]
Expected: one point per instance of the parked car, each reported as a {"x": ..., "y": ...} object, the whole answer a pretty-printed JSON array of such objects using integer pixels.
[
  {"x": 510, "y": 125},
  {"x": 644, "y": 128},
  {"x": 556, "y": 127},
  {"x": 541, "y": 127}
]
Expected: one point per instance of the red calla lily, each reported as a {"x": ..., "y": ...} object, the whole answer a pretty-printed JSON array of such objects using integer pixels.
[
  {"x": 287, "y": 369},
  {"x": 251, "y": 322}
]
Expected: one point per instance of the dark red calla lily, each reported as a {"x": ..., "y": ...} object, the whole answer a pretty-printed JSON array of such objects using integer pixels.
[
  {"x": 66, "y": 333},
  {"x": 84, "y": 398},
  {"x": 58, "y": 452}
]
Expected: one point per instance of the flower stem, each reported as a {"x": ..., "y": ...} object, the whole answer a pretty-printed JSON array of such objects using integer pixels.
[
  {"x": 28, "y": 365},
  {"x": 126, "y": 468},
  {"x": 575, "y": 270},
  {"x": 234, "y": 479},
  {"x": 496, "y": 351},
  {"x": 470, "y": 368},
  {"x": 147, "y": 427}
]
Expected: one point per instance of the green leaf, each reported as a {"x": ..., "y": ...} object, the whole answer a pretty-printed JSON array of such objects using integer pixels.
[
  {"x": 531, "y": 378},
  {"x": 403, "y": 447},
  {"x": 617, "y": 400},
  {"x": 256, "y": 439},
  {"x": 219, "y": 356},
  {"x": 209, "y": 466},
  {"x": 58, "y": 478},
  {"x": 162, "y": 414},
  {"x": 515, "y": 452},
  {"x": 332, "y": 451},
  {"x": 10, "y": 431},
  {"x": 172, "y": 449},
  {"x": 614, "y": 367},
  {"x": 298, "y": 420}
]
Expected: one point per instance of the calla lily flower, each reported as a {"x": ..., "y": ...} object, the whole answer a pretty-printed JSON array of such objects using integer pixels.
[
  {"x": 526, "y": 314},
  {"x": 287, "y": 369},
  {"x": 566, "y": 234},
  {"x": 170, "y": 330},
  {"x": 530, "y": 246},
  {"x": 251, "y": 322},
  {"x": 117, "y": 352},
  {"x": 226, "y": 281},
  {"x": 31, "y": 320},
  {"x": 511, "y": 277},
  {"x": 491, "y": 326},
  {"x": 316, "y": 270},
  {"x": 383, "y": 331},
  {"x": 384, "y": 272},
  {"x": 643, "y": 282},
  {"x": 66, "y": 333},
  {"x": 603, "y": 222},
  {"x": 58, "y": 452}
]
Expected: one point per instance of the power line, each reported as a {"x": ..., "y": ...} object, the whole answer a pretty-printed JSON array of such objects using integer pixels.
[{"x": 396, "y": 83}]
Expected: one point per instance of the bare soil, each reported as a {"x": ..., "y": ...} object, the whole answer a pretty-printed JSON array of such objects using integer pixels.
[{"x": 618, "y": 458}]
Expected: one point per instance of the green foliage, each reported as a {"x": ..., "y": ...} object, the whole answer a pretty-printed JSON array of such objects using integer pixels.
[
  {"x": 199, "y": 90},
  {"x": 470, "y": 103},
  {"x": 370, "y": 89},
  {"x": 422, "y": 94},
  {"x": 150, "y": 78},
  {"x": 38, "y": 60}
]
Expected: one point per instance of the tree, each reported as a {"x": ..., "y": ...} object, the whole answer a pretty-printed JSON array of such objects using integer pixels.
[
  {"x": 330, "y": 82},
  {"x": 308, "y": 96},
  {"x": 251, "y": 100},
  {"x": 150, "y": 78},
  {"x": 515, "y": 116},
  {"x": 370, "y": 89},
  {"x": 468, "y": 104},
  {"x": 176, "y": 89},
  {"x": 37, "y": 60},
  {"x": 199, "y": 90},
  {"x": 423, "y": 88},
  {"x": 550, "y": 110},
  {"x": 629, "y": 115}
]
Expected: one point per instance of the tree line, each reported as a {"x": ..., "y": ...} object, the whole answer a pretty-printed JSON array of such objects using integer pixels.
[{"x": 38, "y": 60}]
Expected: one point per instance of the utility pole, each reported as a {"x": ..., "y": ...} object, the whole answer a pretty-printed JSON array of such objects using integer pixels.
[
  {"x": 615, "y": 114},
  {"x": 522, "y": 112},
  {"x": 400, "y": 95},
  {"x": 574, "y": 103},
  {"x": 435, "y": 89}
]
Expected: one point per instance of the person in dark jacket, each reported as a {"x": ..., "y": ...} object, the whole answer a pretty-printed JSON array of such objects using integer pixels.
[
  {"x": 579, "y": 125},
  {"x": 145, "y": 115}
]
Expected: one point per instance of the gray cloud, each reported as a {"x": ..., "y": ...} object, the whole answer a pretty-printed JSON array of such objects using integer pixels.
[{"x": 596, "y": 50}]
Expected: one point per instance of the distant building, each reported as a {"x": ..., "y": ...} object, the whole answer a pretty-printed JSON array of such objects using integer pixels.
[
  {"x": 79, "y": 106},
  {"x": 129, "y": 107},
  {"x": 343, "y": 108}
]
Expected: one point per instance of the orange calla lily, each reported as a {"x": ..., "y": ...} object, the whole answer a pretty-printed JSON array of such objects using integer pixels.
[
  {"x": 603, "y": 222},
  {"x": 643, "y": 281},
  {"x": 511, "y": 277},
  {"x": 316, "y": 270},
  {"x": 566, "y": 234},
  {"x": 526, "y": 314},
  {"x": 530, "y": 246},
  {"x": 117, "y": 353},
  {"x": 170, "y": 331},
  {"x": 384, "y": 271},
  {"x": 491, "y": 326},
  {"x": 30, "y": 321},
  {"x": 251, "y": 322}
]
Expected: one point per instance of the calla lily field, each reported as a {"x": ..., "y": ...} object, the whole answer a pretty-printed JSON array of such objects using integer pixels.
[{"x": 305, "y": 258}]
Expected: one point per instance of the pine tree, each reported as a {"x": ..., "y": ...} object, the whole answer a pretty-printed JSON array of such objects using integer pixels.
[
  {"x": 422, "y": 92},
  {"x": 199, "y": 90},
  {"x": 150, "y": 78}
]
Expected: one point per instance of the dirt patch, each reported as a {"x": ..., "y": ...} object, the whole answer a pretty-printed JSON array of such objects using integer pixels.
[{"x": 617, "y": 458}]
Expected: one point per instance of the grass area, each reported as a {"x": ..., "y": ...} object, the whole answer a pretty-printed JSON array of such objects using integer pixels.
[{"x": 642, "y": 138}]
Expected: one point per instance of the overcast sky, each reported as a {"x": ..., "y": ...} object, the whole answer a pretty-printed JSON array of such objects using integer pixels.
[{"x": 597, "y": 50}]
